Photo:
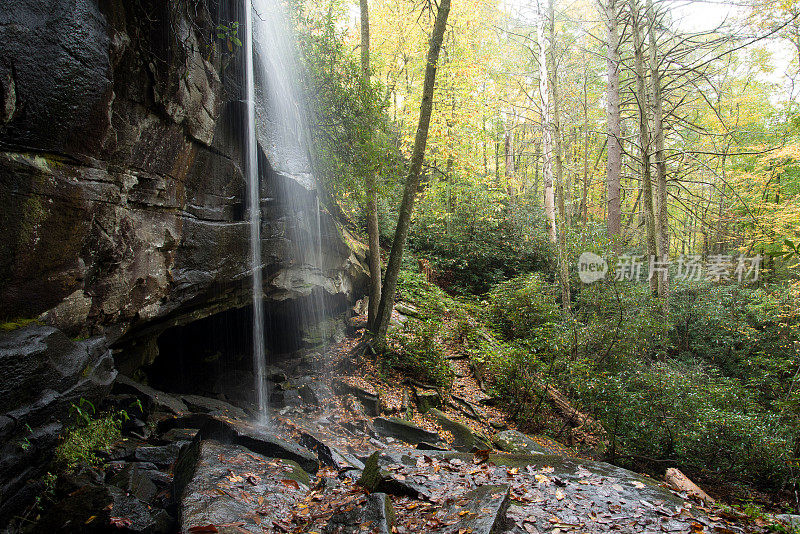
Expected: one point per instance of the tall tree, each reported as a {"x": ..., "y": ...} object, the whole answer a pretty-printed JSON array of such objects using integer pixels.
[
  {"x": 644, "y": 133},
  {"x": 552, "y": 68},
  {"x": 547, "y": 125},
  {"x": 662, "y": 223},
  {"x": 613, "y": 125},
  {"x": 384, "y": 312},
  {"x": 373, "y": 231}
]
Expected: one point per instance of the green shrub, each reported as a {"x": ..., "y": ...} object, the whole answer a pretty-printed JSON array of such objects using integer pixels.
[
  {"x": 88, "y": 437},
  {"x": 416, "y": 350},
  {"x": 687, "y": 413},
  {"x": 522, "y": 307}
]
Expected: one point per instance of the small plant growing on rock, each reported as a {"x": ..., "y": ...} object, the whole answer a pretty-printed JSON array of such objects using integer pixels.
[{"x": 89, "y": 436}]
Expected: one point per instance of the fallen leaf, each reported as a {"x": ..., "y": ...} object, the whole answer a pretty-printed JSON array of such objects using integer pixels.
[
  {"x": 288, "y": 482},
  {"x": 207, "y": 529}
]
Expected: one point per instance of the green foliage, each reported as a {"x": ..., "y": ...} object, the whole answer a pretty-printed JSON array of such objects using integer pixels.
[
  {"x": 90, "y": 436},
  {"x": 712, "y": 389},
  {"x": 230, "y": 34},
  {"x": 352, "y": 136},
  {"x": 416, "y": 350},
  {"x": 474, "y": 238},
  {"x": 687, "y": 412},
  {"x": 523, "y": 307}
]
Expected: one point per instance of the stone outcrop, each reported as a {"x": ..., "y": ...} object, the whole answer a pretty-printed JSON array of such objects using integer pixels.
[
  {"x": 121, "y": 186},
  {"x": 122, "y": 203},
  {"x": 44, "y": 374}
]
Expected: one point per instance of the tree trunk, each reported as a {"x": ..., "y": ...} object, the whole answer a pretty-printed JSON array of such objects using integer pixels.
[
  {"x": 414, "y": 174},
  {"x": 373, "y": 231},
  {"x": 613, "y": 126},
  {"x": 562, "y": 212},
  {"x": 662, "y": 221},
  {"x": 547, "y": 133},
  {"x": 644, "y": 135}
]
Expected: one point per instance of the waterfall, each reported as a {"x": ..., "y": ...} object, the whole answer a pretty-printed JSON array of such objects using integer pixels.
[
  {"x": 254, "y": 207},
  {"x": 277, "y": 125}
]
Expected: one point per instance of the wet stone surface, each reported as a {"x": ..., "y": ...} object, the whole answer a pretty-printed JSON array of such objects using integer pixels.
[{"x": 236, "y": 490}]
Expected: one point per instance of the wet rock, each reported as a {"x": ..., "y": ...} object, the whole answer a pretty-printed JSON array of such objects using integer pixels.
[
  {"x": 464, "y": 439},
  {"x": 151, "y": 399},
  {"x": 133, "y": 480},
  {"x": 328, "y": 455},
  {"x": 44, "y": 374},
  {"x": 162, "y": 455},
  {"x": 220, "y": 484},
  {"x": 479, "y": 511},
  {"x": 370, "y": 401},
  {"x": 197, "y": 403},
  {"x": 377, "y": 514},
  {"x": 403, "y": 430},
  {"x": 258, "y": 440},
  {"x": 99, "y": 509},
  {"x": 427, "y": 398},
  {"x": 179, "y": 434},
  {"x": 517, "y": 442}
]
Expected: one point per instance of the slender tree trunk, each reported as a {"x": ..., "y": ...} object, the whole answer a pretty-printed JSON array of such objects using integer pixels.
[
  {"x": 662, "y": 218},
  {"x": 414, "y": 174},
  {"x": 556, "y": 126},
  {"x": 373, "y": 231},
  {"x": 547, "y": 129},
  {"x": 613, "y": 125},
  {"x": 644, "y": 135},
  {"x": 509, "y": 162}
]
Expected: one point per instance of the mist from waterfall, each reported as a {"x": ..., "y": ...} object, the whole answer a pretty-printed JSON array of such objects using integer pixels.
[{"x": 278, "y": 127}]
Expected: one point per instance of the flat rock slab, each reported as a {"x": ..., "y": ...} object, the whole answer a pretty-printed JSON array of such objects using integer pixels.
[
  {"x": 403, "y": 430},
  {"x": 517, "y": 443},
  {"x": 235, "y": 490},
  {"x": 259, "y": 440},
  {"x": 547, "y": 491},
  {"x": 376, "y": 516},
  {"x": 197, "y": 403},
  {"x": 478, "y": 511}
]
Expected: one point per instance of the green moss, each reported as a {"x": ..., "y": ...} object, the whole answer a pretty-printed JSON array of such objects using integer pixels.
[{"x": 18, "y": 323}]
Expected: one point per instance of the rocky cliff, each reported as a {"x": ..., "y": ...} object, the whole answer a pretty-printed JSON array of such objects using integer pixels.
[{"x": 121, "y": 188}]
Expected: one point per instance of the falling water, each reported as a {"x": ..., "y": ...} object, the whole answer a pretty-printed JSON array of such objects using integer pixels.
[
  {"x": 254, "y": 207},
  {"x": 277, "y": 126}
]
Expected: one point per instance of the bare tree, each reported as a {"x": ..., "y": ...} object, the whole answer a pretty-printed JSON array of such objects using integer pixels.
[{"x": 613, "y": 127}]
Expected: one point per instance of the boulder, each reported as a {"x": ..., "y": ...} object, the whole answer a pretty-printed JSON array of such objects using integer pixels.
[
  {"x": 219, "y": 484},
  {"x": 517, "y": 442},
  {"x": 464, "y": 439},
  {"x": 44, "y": 374},
  {"x": 377, "y": 514},
  {"x": 369, "y": 400},
  {"x": 161, "y": 455},
  {"x": 478, "y": 511},
  {"x": 427, "y": 398},
  {"x": 133, "y": 480},
  {"x": 403, "y": 430}
]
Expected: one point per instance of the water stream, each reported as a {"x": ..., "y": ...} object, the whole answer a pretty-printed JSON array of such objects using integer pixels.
[
  {"x": 254, "y": 208},
  {"x": 277, "y": 125}
]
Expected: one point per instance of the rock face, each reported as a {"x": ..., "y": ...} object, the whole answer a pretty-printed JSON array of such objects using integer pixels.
[
  {"x": 121, "y": 191},
  {"x": 122, "y": 202},
  {"x": 44, "y": 374}
]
